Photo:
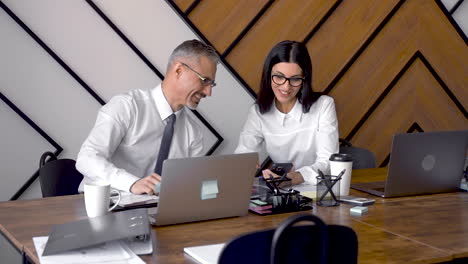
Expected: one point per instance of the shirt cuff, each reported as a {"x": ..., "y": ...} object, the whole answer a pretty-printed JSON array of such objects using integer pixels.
[{"x": 124, "y": 180}]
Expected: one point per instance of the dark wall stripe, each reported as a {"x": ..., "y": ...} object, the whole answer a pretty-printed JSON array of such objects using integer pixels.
[
  {"x": 28, "y": 183},
  {"x": 220, "y": 138},
  {"x": 363, "y": 47},
  {"x": 192, "y": 7},
  {"x": 322, "y": 21},
  {"x": 155, "y": 70},
  {"x": 414, "y": 127},
  {"x": 31, "y": 123},
  {"x": 455, "y": 7},
  {"x": 51, "y": 53},
  {"x": 385, "y": 161},
  {"x": 125, "y": 39},
  {"x": 204, "y": 39},
  {"x": 58, "y": 148},
  {"x": 452, "y": 21},
  {"x": 247, "y": 28},
  {"x": 443, "y": 85}
]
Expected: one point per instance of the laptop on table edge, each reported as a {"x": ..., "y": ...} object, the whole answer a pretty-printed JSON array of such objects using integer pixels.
[
  {"x": 422, "y": 163},
  {"x": 204, "y": 188}
]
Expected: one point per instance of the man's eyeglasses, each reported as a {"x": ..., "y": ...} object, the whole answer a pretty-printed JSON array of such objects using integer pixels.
[
  {"x": 293, "y": 81},
  {"x": 204, "y": 80}
]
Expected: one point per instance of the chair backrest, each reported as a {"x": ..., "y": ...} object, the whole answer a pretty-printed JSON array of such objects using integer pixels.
[
  {"x": 319, "y": 243},
  {"x": 58, "y": 176},
  {"x": 362, "y": 158}
]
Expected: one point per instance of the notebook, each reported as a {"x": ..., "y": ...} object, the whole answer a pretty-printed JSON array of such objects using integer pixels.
[
  {"x": 422, "y": 163},
  {"x": 203, "y": 188}
]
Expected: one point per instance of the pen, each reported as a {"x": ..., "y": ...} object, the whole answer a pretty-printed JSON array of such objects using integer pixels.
[
  {"x": 340, "y": 175},
  {"x": 321, "y": 174}
]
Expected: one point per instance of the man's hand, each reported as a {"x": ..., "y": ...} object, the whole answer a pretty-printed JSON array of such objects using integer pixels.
[{"x": 146, "y": 184}]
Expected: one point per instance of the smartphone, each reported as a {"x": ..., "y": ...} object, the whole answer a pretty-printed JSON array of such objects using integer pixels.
[
  {"x": 356, "y": 200},
  {"x": 281, "y": 168},
  {"x": 277, "y": 168}
]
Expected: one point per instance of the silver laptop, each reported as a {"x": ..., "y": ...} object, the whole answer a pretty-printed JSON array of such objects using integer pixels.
[
  {"x": 203, "y": 188},
  {"x": 422, "y": 163}
]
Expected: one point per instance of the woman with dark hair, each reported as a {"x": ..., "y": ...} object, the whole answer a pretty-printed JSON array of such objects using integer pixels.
[{"x": 293, "y": 123}]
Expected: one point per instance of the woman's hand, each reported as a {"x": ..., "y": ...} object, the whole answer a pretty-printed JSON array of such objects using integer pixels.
[
  {"x": 295, "y": 176},
  {"x": 267, "y": 174}
]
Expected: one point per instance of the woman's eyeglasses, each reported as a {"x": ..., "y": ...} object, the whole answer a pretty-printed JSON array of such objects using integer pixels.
[{"x": 293, "y": 81}]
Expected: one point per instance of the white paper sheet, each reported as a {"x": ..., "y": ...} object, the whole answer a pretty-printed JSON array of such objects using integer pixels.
[{"x": 208, "y": 254}]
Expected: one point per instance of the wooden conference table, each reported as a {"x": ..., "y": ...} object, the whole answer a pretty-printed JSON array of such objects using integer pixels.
[{"x": 422, "y": 229}]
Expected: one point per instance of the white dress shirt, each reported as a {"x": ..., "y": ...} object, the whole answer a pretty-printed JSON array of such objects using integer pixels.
[
  {"x": 124, "y": 143},
  {"x": 305, "y": 139}
]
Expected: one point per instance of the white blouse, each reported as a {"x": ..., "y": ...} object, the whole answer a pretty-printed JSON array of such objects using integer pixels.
[{"x": 305, "y": 139}]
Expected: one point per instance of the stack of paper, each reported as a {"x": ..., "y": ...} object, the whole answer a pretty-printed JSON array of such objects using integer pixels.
[
  {"x": 130, "y": 198},
  {"x": 114, "y": 252}
]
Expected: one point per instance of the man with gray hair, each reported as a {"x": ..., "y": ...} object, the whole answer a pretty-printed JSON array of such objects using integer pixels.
[{"x": 136, "y": 131}]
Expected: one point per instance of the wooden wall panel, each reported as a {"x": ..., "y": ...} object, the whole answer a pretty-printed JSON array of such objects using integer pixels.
[
  {"x": 391, "y": 66},
  {"x": 417, "y": 97},
  {"x": 223, "y": 21},
  {"x": 291, "y": 20},
  {"x": 342, "y": 35},
  {"x": 373, "y": 71},
  {"x": 364, "y": 83},
  {"x": 184, "y": 4},
  {"x": 445, "y": 50}
]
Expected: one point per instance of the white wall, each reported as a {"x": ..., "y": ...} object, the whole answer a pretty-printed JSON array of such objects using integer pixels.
[{"x": 60, "y": 106}]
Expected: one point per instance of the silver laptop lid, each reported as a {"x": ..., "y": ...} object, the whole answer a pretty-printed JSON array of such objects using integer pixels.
[
  {"x": 202, "y": 188},
  {"x": 430, "y": 162},
  {"x": 96, "y": 230}
]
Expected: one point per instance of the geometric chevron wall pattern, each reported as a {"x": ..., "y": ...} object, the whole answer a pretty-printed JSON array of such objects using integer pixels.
[{"x": 392, "y": 66}]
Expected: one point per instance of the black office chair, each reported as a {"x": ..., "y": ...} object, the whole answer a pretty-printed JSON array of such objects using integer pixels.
[
  {"x": 58, "y": 176},
  {"x": 362, "y": 158},
  {"x": 319, "y": 243}
]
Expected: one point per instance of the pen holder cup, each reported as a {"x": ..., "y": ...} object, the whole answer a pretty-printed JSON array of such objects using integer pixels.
[{"x": 328, "y": 191}]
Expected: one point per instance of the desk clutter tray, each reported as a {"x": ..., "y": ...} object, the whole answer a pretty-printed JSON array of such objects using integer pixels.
[
  {"x": 269, "y": 196},
  {"x": 278, "y": 204}
]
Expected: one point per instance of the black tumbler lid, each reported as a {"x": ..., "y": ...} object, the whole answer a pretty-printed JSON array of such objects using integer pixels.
[{"x": 341, "y": 157}]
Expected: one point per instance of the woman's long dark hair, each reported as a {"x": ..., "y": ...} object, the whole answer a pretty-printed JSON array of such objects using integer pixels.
[{"x": 293, "y": 52}]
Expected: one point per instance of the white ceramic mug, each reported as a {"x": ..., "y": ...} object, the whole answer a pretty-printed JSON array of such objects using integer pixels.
[
  {"x": 338, "y": 163},
  {"x": 97, "y": 198}
]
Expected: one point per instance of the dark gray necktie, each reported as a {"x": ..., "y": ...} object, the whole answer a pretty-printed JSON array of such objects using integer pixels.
[{"x": 165, "y": 143}]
